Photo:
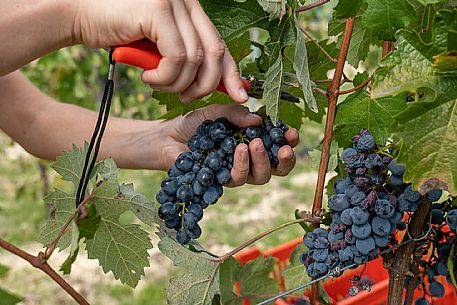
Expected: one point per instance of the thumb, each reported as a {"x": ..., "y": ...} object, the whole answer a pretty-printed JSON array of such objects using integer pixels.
[{"x": 236, "y": 114}]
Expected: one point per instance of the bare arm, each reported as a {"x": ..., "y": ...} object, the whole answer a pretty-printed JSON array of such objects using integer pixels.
[
  {"x": 47, "y": 128},
  {"x": 195, "y": 57}
]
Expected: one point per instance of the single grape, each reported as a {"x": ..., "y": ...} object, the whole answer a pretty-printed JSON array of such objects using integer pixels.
[
  {"x": 167, "y": 210},
  {"x": 213, "y": 161},
  {"x": 205, "y": 176},
  {"x": 206, "y": 143},
  {"x": 196, "y": 210},
  {"x": 170, "y": 185},
  {"x": 184, "y": 193},
  {"x": 359, "y": 216},
  {"x": 163, "y": 197},
  {"x": 403, "y": 204},
  {"x": 173, "y": 222},
  {"x": 217, "y": 132},
  {"x": 321, "y": 243},
  {"x": 434, "y": 195},
  {"x": 277, "y": 135},
  {"x": 174, "y": 171},
  {"x": 381, "y": 241},
  {"x": 361, "y": 231},
  {"x": 340, "y": 186},
  {"x": 267, "y": 142},
  {"x": 184, "y": 163},
  {"x": 223, "y": 176},
  {"x": 442, "y": 269},
  {"x": 252, "y": 133},
  {"x": 346, "y": 254},
  {"x": 228, "y": 145},
  {"x": 190, "y": 221},
  {"x": 396, "y": 169},
  {"x": 320, "y": 255},
  {"x": 189, "y": 178},
  {"x": 194, "y": 233},
  {"x": 182, "y": 237},
  {"x": 347, "y": 154},
  {"x": 308, "y": 239},
  {"x": 334, "y": 237},
  {"x": 365, "y": 246},
  {"x": 320, "y": 232},
  {"x": 396, "y": 180},
  {"x": 411, "y": 195},
  {"x": 373, "y": 160},
  {"x": 380, "y": 226},
  {"x": 320, "y": 268},
  {"x": 346, "y": 217},
  {"x": 397, "y": 217},
  {"x": 338, "y": 202},
  {"x": 436, "y": 289},
  {"x": 211, "y": 195},
  {"x": 357, "y": 198},
  {"x": 366, "y": 142},
  {"x": 383, "y": 208}
]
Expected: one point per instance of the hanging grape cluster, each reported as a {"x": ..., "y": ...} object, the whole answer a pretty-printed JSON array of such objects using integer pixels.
[
  {"x": 196, "y": 179},
  {"x": 368, "y": 207}
]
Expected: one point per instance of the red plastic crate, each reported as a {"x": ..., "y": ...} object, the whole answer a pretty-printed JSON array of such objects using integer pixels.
[{"x": 338, "y": 288}]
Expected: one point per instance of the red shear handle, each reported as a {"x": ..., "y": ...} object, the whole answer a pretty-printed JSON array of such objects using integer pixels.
[{"x": 144, "y": 54}]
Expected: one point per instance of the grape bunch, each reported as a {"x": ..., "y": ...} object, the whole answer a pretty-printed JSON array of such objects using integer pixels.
[
  {"x": 195, "y": 180},
  {"x": 368, "y": 206},
  {"x": 442, "y": 237}
]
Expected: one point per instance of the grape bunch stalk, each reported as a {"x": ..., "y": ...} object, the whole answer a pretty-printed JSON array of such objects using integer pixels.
[
  {"x": 196, "y": 179},
  {"x": 367, "y": 209}
]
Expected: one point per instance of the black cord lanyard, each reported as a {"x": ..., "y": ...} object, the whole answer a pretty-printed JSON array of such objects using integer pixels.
[{"x": 97, "y": 135}]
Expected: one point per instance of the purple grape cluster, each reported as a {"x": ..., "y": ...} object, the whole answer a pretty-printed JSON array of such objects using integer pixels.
[
  {"x": 367, "y": 208},
  {"x": 196, "y": 179}
]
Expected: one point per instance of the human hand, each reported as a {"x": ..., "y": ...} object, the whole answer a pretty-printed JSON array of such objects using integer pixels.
[
  {"x": 195, "y": 58},
  {"x": 251, "y": 163}
]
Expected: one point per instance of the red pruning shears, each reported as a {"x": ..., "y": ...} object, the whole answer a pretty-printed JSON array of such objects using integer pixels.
[{"x": 144, "y": 54}]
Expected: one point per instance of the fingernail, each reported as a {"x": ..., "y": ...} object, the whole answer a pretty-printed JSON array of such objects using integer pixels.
[
  {"x": 243, "y": 94},
  {"x": 250, "y": 116},
  {"x": 260, "y": 148},
  {"x": 185, "y": 99}
]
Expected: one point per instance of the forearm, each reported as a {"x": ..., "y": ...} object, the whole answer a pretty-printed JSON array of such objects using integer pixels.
[
  {"x": 46, "y": 128},
  {"x": 32, "y": 28}
]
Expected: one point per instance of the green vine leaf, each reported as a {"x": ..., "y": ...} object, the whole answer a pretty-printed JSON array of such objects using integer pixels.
[
  {"x": 385, "y": 17},
  {"x": 230, "y": 270},
  {"x": 7, "y": 298},
  {"x": 359, "y": 111},
  {"x": 70, "y": 165},
  {"x": 347, "y": 8},
  {"x": 121, "y": 249},
  {"x": 276, "y": 8},
  {"x": 63, "y": 207},
  {"x": 201, "y": 283},
  {"x": 450, "y": 265},
  {"x": 272, "y": 89},
  {"x": 255, "y": 282},
  {"x": 294, "y": 274},
  {"x": 302, "y": 71}
]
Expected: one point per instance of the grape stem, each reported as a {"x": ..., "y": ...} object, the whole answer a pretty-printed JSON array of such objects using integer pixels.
[
  {"x": 39, "y": 262},
  {"x": 356, "y": 87},
  {"x": 268, "y": 232}
]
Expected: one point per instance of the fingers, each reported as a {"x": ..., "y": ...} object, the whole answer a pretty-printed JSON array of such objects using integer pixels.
[
  {"x": 193, "y": 48},
  {"x": 215, "y": 50},
  {"x": 260, "y": 164},
  {"x": 240, "y": 170},
  {"x": 292, "y": 137},
  {"x": 172, "y": 48},
  {"x": 232, "y": 80},
  {"x": 287, "y": 161}
]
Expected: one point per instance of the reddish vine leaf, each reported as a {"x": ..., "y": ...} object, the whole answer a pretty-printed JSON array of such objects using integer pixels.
[{"x": 230, "y": 270}]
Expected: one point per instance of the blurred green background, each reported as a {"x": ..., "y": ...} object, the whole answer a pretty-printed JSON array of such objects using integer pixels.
[{"x": 77, "y": 75}]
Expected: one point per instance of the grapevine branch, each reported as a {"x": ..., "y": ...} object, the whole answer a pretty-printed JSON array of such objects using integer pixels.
[
  {"x": 268, "y": 232},
  {"x": 356, "y": 87},
  {"x": 310, "y": 6},
  {"x": 333, "y": 94},
  {"x": 52, "y": 245},
  {"x": 318, "y": 46},
  {"x": 40, "y": 263}
]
